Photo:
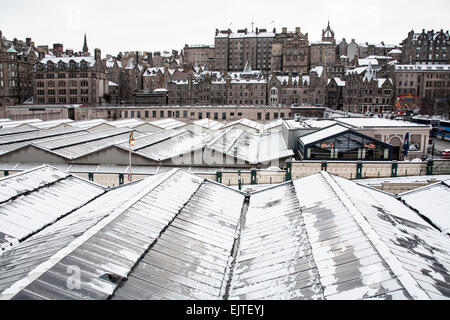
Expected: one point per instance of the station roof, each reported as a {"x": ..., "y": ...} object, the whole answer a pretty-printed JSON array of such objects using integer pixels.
[
  {"x": 377, "y": 123},
  {"x": 178, "y": 236},
  {"x": 432, "y": 202},
  {"x": 33, "y": 199},
  {"x": 323, "y": 134},
  {"x": 250, "y": 147}
]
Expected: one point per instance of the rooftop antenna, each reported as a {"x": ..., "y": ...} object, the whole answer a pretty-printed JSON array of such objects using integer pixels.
[{"x": 252, "y": 25}]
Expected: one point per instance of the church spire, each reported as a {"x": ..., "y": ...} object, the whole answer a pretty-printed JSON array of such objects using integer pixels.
[{"x": 85, "y": 46}]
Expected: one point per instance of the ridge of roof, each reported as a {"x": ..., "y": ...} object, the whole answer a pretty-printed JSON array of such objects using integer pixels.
[{"x": 404, "y": 276}]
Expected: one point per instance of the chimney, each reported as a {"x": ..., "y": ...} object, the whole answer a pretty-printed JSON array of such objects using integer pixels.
[
  {"x": 297, "y": 30},
  {"x": 28, "y": 40},
  {"x": 98, "y": 54},
  {"x": 284, "y": 30},
  {"x": 15, "y": 41}
]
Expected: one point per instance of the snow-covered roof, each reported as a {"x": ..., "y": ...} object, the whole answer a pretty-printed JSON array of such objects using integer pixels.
[
  {"x": 339, "y": 82},
  {"x": 168, "y": 123},
  {"x": 201, "y": 46},
  {"x": 240, "y": 35},
  {"x": 377, "y": 122},
  {"x": 33, "y": 199},
  {"x": 432, "y": 202},
  {"x": 358, "y": 70},
  {"x": 395, "y": 51},
  {"x": 335, "y": 238},
  {"x": 381, "y": 81},
  {"x": 250, "y": 147},
  {"x": 323, "y": 134},
  {"x": 209, "y": 124},
  {"x": 366, "y": 62},
  {"x": 423, "y": 67},
  {"x": 318, "y": 70},
  {"x": 66, "y": 60}
]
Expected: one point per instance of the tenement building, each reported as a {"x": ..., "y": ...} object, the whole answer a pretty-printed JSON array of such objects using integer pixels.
[
  {"x": 426, "y": 47},
  {"x": 367, "y": 92},
  {"x": 17, "y": 60},
  {"x": 233, "y": 50},
  {"x": 74, "y": 80},
  {"x": 298, "y": 90},
  {"x": 290, "y": 52},
  {"x": 419, "y": 82},
  {"x": 199, "y": 55},
  {"x": 211, "y": 88}
]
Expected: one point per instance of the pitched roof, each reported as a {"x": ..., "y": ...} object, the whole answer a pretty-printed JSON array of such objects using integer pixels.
[
  {"x": 432, "y": 202},
  {"x": 178, "y": 236},
  {"x": 33, "y": 199}
]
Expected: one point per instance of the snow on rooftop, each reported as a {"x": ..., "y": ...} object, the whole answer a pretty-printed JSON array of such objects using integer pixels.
[
  {"x": 323, "y": 134},
  {"x": 318, "y": 70},
  {"x": 366, "y": 62},
  {"x": 33, "y": 199},
  {"x": 432, "y": 202},
  {"x": 423, "y": 67},
  {"x": 395, "y": 51},
  {"x": 377, "y": 122},
  {"x": 209, "y": 124},
  {"x": 319, "y": 237}
]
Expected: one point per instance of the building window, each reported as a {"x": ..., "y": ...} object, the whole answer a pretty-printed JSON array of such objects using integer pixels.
[{"x": 161, "y": 114}]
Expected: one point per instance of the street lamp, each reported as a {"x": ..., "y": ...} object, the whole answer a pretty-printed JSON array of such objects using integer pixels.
[{"x": 131, "y": 142}]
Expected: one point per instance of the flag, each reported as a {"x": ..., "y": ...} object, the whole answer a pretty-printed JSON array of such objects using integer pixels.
[{"x": 406, "y": 145}]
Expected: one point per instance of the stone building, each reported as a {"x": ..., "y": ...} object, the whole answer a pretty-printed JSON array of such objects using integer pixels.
[
  {"x": 233, "y": 50},
  {"x": 335, "y": 93},
  {"x": 211, "y": 88},
  {"x": 17, "y": 60},
  {"x": 199, "y": 55},
  {"x": 353, "y": 51},
  {"x": 426, "y": 47},
  {"x": 366, "y": 92},
  {"x": 290, "y": 52},
  {"x": 323, "y": 53},
  {"x": 289, "y": 90},
  {"x": 415, "y": 83},
  {"x": 342, "y": 48},
  {"x": 74, "y": 80}
]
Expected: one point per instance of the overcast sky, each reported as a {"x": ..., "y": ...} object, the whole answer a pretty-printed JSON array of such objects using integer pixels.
[{"x": 160, "y": 25}]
